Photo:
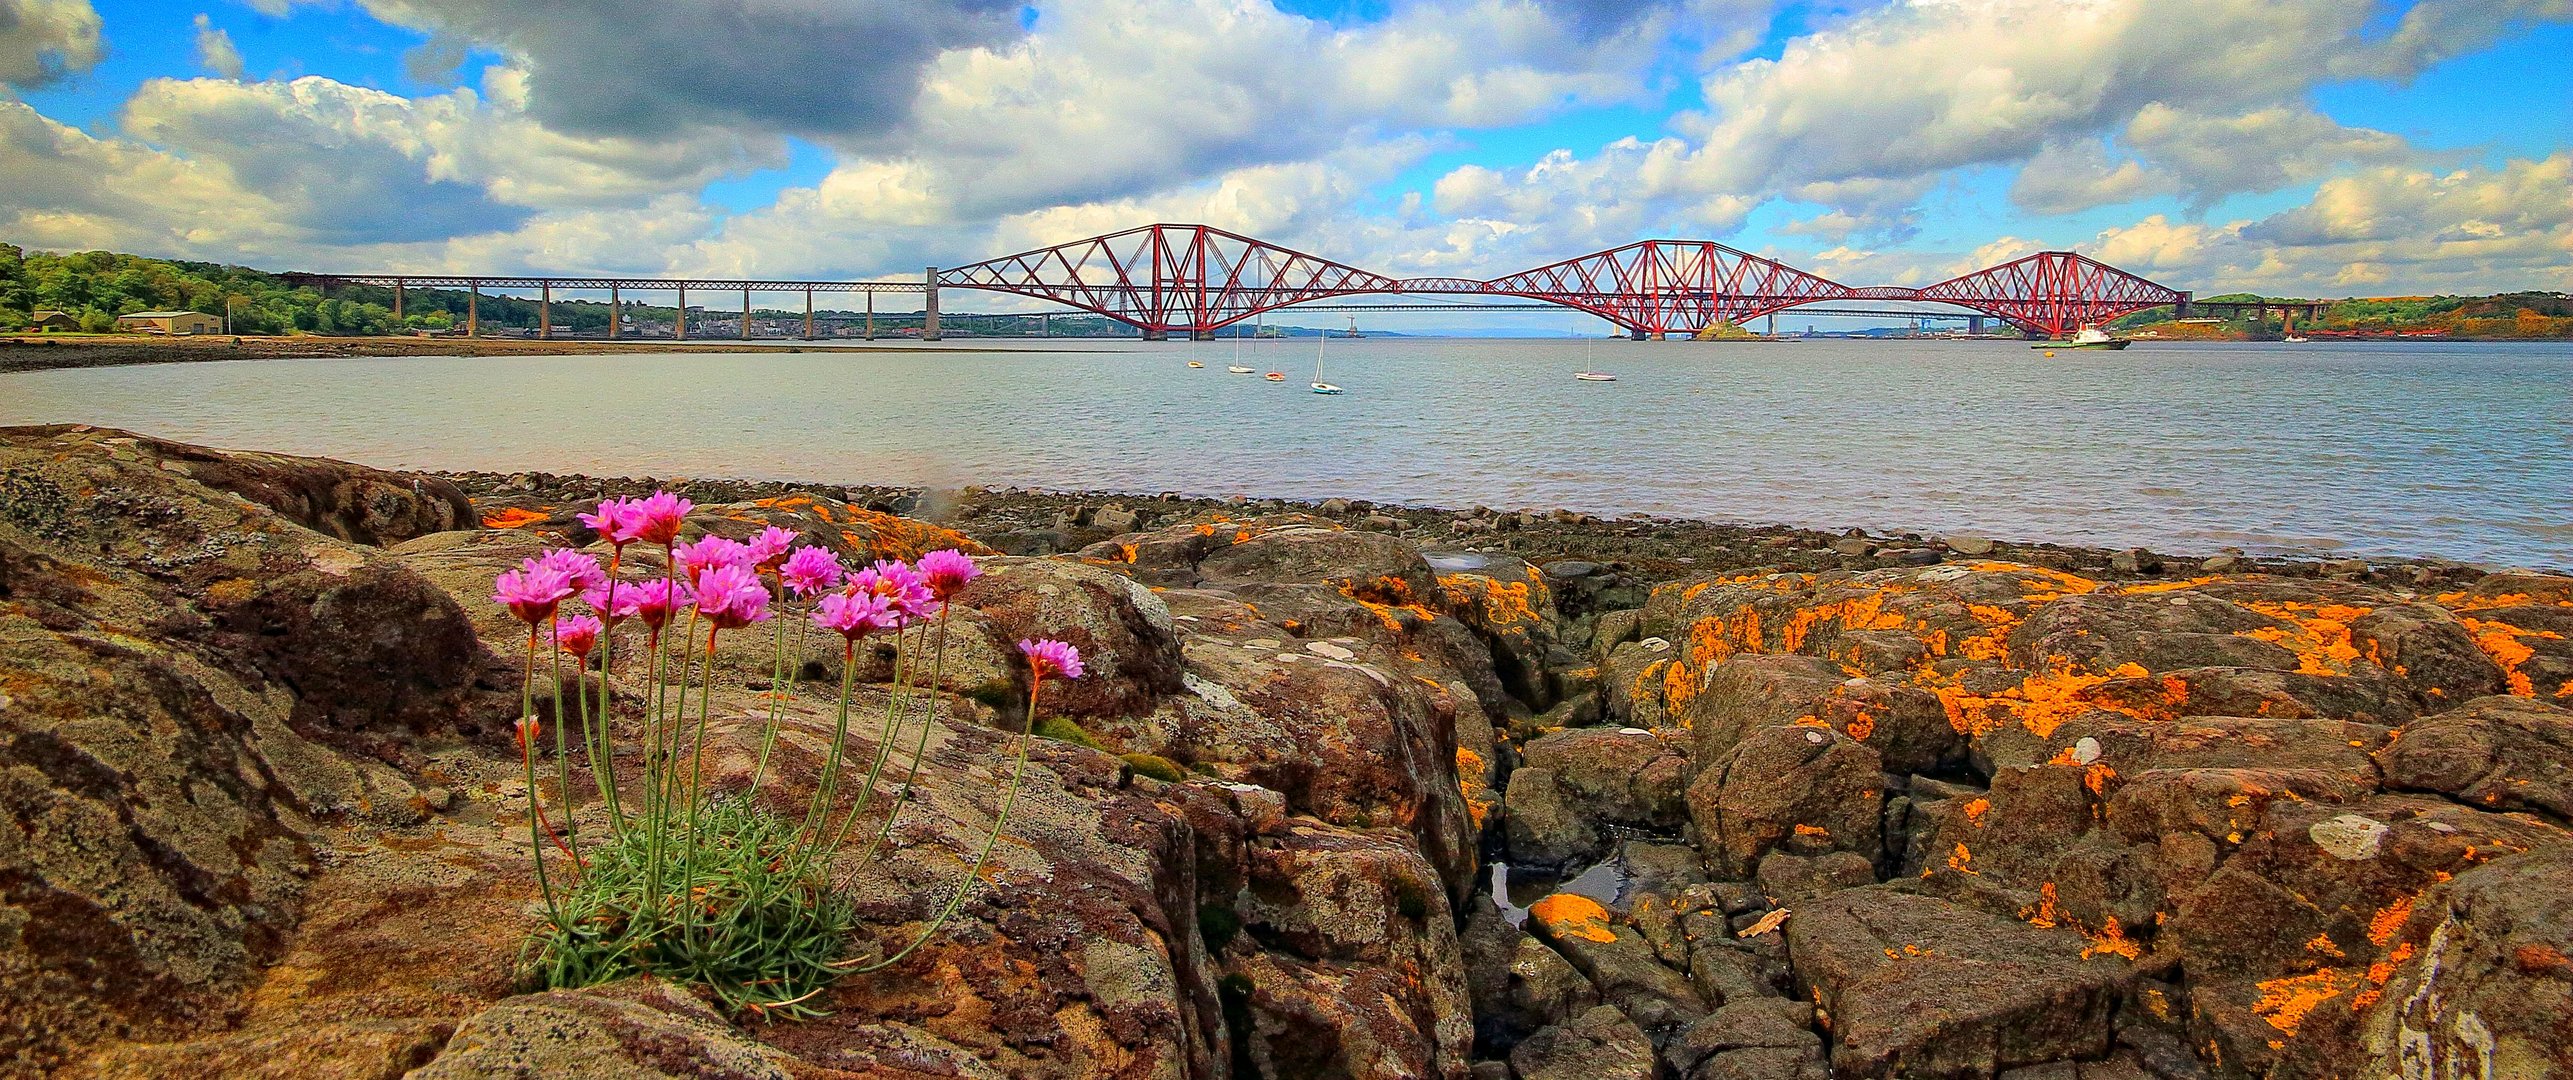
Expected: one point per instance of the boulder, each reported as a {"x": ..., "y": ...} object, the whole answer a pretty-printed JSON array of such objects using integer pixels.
[
  {"x": 2488, "y": 976},
  {"x": 630, "y": 1029},
  {"x": 1620, "y": 776},
  {"x": 1597, "y": 1045},
  {"x": 1760, "y": 1038},
  {"x": 1545, "y": 824},
  {"x": 1804, "y": 787},
  {"x": 2505, "y": 753},
  {"x": 1919, "y": 987},
  {"x": 346, "y": 502}
]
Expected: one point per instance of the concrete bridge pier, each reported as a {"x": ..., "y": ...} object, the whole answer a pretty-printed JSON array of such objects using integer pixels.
[
  {"x": 679, "y": 324},
  {"x": 397, "y": 299},
  {"x": 1155, "y": 333},
  {"x": 808, "y": 313},
  {"x": 1635, "y": 334},
  {"x": 1974, "y": 325},
  {"x": 745, "y": 313},
  {"x": 545, "y": 310},
  {"x": 1201, "y": 335},
  {"x": 871, "y": 315},
  {"x": 616, "y": 312},
  {"x": 473, "y": 307},
  {"x": 929, "y": 307}
]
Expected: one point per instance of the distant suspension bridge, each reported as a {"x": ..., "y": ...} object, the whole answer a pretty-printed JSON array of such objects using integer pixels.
[{"x": 1196, "y": 280}]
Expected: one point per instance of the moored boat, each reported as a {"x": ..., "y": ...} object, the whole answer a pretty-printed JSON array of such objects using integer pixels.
[{"x": 2090, "y": 337}]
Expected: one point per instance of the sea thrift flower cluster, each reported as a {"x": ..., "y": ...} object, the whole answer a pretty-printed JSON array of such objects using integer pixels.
[{"x": 618, "y": 924}]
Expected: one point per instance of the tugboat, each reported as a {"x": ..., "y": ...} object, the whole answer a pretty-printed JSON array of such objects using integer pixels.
[{"x": 2091, "y": 337}]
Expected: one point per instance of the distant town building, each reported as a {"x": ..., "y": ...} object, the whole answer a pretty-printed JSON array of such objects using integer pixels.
[
  {"x": 49, "y": 319},
  {"x": 170, "y": 322}
]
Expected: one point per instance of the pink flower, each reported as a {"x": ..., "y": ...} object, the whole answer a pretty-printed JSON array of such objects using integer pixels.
[
  {"x": 768, "y": 549},
  {"x": 618, "y": 521},
  {"x": 732, "y": 596},
  {"x": 855, "y": 615},
  {"x": 811, "y": 570},
  {"x": 532, "y": 591},
  {"x": 1051, "y": 657},
  {"x": 614, "y": 601},
  {"x": 658, "y": 517},
  {"x": 947, "y": 572},
  {"x": 655, "y": 600},
  {"x": 577, "y": 635},
  {"x": 707, "y": 553},
  {"x": 580, "y": 569},
  {"x": 900, "y": 585}
]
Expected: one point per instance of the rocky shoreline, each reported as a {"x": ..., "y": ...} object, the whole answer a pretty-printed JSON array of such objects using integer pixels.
[
  {"x": 1024, "y": 521},
  {"x": 1816, "y": 810}
]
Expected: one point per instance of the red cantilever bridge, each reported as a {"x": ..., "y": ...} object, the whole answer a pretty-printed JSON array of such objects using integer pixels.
[{"x": 1196, "y": 279}]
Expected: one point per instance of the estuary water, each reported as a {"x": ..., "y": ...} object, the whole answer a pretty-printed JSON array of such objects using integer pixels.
[{"x": 2461, "y": 451}]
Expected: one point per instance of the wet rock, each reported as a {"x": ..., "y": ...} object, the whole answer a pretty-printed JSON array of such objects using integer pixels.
[
  {"x": 2505, "y": 753},
  {"x": 2135, "y": 561},
  {"x": 1115, "y": 518},
  {"x": 1809, "y": 789},
  {"x": 1968, "y": 545},
  {"x": 1597, "y": 1045},
  {"x": 1921, "y": 987}
]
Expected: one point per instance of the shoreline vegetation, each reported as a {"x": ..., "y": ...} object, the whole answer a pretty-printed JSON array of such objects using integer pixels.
[{"x": 50, "y": 352}]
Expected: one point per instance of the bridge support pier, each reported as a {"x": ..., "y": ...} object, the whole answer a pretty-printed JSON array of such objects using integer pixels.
[
  {"x": 1201, "y": 335},
  {"x": 745, "y": 313},
  {"x": 1636, "y": 334},
  {"x": 679, "y": 322},
  {"x": 929, "y": 307},
  {"x": 871, "y": 314},
  {"x": 545, "y": 310},
  {"x": 1974, "y": 325},
  {"x": 473, "y": 308},
  {"x": 1155, "y": 333},
  {"x": 808, "y": 313},
  {"x": 397, "y": 299},
  {"x": 616, "y": 312}
]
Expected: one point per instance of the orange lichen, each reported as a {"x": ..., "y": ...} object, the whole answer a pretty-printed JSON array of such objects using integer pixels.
[
  {"x": 2379, "y": 973},
  {"x": 1958, "y": 859},
  {"x": 1573, "y": 915},
  {"x": 2502, "y": 642},
  {"x": 1815, "y": 831},
  {"x": 2285, "y": 1002},
  {"x": 1860, "y": 725},
  {"x": 2388, "y": 920},
  {"x": 2097, "y": 776},
  {"x": 1470, "y": 774},
  {"x": 2322, "y": 943},
  {"x": 1858, "y": 613},
  {"x": 2317, "y": 634},
  {"x": 1502, "y": 604},
  {"x": 2111, "y": 940},
  {"x": 2044, "y": 700},
  {"x": 1975, "y": 809},
  {"x": 513, "y": 518},
  {"x": 2044, "y": 914}
]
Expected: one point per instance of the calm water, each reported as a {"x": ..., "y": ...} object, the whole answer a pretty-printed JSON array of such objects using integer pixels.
[{"x": 2462, "y": 451}]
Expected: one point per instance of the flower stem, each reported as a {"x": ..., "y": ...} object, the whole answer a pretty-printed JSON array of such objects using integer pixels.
[{"x": 974, "y": 874}]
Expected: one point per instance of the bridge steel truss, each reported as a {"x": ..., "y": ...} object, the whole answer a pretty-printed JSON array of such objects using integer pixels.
[{"x": 1196, "y": 279}]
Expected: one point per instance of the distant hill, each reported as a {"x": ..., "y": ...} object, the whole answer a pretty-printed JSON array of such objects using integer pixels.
[{"x": 2502, "y": 315}]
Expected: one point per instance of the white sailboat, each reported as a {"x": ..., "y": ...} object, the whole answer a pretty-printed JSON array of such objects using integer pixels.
[
  {"x": 1588, "y": 373},
  {"x": 1319, "y": 386}
]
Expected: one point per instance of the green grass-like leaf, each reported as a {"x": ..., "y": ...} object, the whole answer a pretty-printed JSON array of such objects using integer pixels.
[{"x": 739, "y": 917}]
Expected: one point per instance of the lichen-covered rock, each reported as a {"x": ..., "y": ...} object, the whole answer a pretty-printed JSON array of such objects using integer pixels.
[
  {"x": 2505, "y": 753},
  {"x": 1618, "y": 776},
  {"x": 337, "y": 499},
  {"x": 636, "y": 1028},
  {"x": 1545, "y": 824},
  {"x": 1597, "y": 1045},
  {"x": 1803, "y": 787},
  {"x": 1758, "y": 1038},
  {"x": 1918, "y": 987},
  {"x": 2488, "y": 977}
]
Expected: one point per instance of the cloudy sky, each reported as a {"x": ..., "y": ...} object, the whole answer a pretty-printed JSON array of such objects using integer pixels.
[{"x": 2310, "y": 147}]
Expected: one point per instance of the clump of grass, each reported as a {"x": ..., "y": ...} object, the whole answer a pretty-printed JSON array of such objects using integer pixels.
[
  {"x": 1062, "y": 729},
  {"x": 744, "y": 917},
  {"x": 1411, "y": 900},
  {"x": 1155, "y": 766}
]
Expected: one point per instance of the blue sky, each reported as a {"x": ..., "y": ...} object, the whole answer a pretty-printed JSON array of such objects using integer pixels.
[{"x": 2293, "y": 146}]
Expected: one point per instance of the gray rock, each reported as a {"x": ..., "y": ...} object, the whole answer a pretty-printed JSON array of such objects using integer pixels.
[
  {"x": 1115, "y": 518},
  {"x": 1910, "y": 556},
  {"x": 1601, "y": 1044},
  {"x": 1544, "y": 825},
  {"x": 2221, "y": 564},
  {"x": 1751, "y": 1038},
  {"x": 1968, "y": 544},
  {"x": 1853, "y": 545},
  {"x": 2135, "y": 561}
]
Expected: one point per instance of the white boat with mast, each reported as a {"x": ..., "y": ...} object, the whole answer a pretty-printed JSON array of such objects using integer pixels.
[
  {"x": 1319, "y": 386},
  {"x": 1589, "y": 371}
]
